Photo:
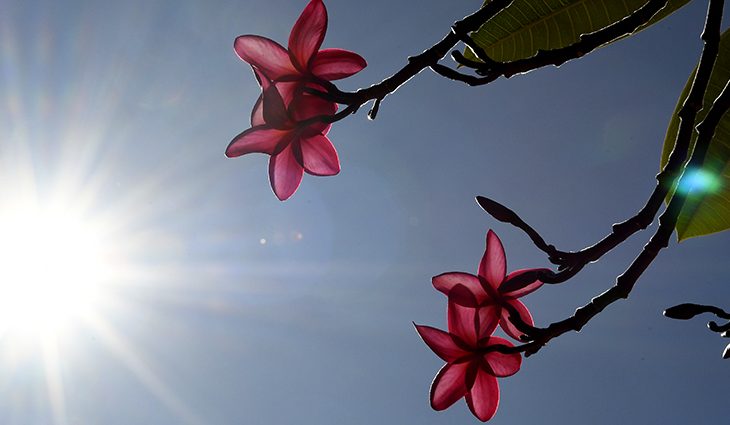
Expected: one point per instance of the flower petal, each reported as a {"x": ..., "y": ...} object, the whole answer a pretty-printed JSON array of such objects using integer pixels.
[
  {"x": 445, "y": 282},
  {"x": 317, "y": 128},
  {"x": 442, "y": 343},
  {"x": 266, "y": 55},
  {"x": 306, "y": 105},
  {"x": 461, "y": 295},
  {"x": 488, "y": 316},
  {"x": 493, "y": 266},
  {"x": 274, "y": 109},
  {"x": 333, "y": 64},
  {"x": 449, "y": 385},
  {"x": 288, "y": 90},
  {"x": 261, "y": 78},
  {"x": 261, "y": 139},
  {"x": 319, "y": 156},
  {"x": 307, "y": 34},
  {"x": 285, "y": 173},
  {"x": 501, "y": 364},
  {"x": 530, "y": 287},
  {"x": 257, "y": 113},
  {"x": 508, "y": 326},
  {"x": 483, "y": 397},
  {"x": 463, "y": 323}
]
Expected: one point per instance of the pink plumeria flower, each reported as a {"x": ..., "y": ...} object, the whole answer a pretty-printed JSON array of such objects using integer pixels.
[
  {"x": 295, "y": 139},
  {"x": 486, "y": 291},
  {"x": 472, "y": 365},
  {"x": 280, "y": 120},
  {"x": 303, "y": 60}
]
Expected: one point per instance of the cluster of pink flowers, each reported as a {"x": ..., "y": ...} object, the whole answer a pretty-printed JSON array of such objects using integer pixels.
[
  {"x": 476, "y": 305},
  {"x": 286, "y": 124},
  {"x": 283, "y": 122}
]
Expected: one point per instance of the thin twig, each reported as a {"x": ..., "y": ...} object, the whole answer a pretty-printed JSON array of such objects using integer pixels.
[
  {"x": 714, "y": 327},
  {"x": 455, "y": 75},
  {"x": 486, "y": 61}
]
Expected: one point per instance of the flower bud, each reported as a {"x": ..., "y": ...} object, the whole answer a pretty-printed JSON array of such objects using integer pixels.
[
  {"x": 496, "y": 210},
  {"x": 684, "y": 311}
]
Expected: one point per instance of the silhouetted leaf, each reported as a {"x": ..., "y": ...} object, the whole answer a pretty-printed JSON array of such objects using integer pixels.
[
  {"x": 527, "y": 26},
  {"x": 707, "y": 209}
]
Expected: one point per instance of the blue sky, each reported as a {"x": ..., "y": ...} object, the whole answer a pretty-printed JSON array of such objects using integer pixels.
[{"x": 231, "y": 307}]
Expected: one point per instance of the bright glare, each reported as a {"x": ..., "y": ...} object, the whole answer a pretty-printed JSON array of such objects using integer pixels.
[
  {"x": 699, "y": 180},
  {"x": 52, "y": 263}
]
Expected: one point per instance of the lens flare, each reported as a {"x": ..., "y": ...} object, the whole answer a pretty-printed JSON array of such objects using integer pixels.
[{"x": 699, "y": 181}]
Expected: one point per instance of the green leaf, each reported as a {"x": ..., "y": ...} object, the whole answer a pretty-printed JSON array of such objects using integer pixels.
[
  {"x": 707, "y": 209},
  {"x": 527, "y": 26}
]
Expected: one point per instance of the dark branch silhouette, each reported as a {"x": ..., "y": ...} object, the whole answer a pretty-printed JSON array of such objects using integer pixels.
[
  {"x": 570, "y": 263},
  {"x": 417, "y": 63},
  {"x": 668, "y": 219},
  {"x": 490, "y": 70},
  {"x": 688, "y": 310},
  {"x": 673, "y": 172}
]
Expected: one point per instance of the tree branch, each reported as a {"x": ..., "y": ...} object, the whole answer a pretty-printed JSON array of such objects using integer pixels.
[
  {"x": 570, "y": 263},
  {"x": 491, "y": 70},
  {"x": 418, "y": 63},
  {"x": 667, "y": 221}
]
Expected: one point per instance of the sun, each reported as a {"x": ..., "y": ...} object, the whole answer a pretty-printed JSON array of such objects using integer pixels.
[{"x": 53, "y": 264}]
